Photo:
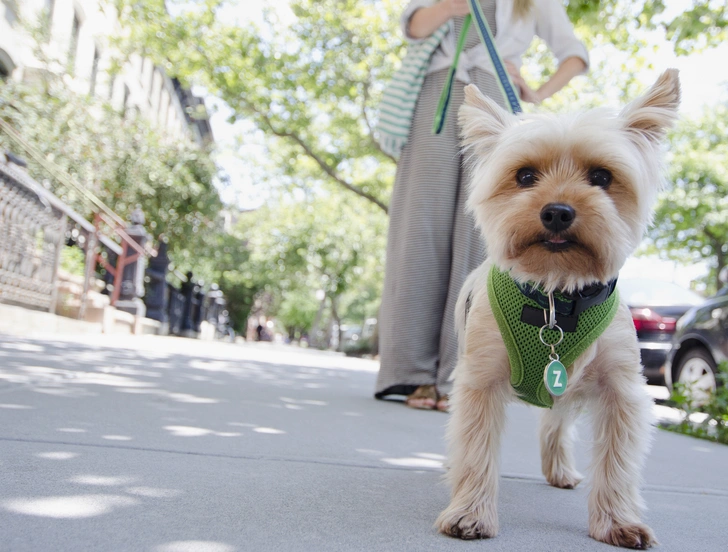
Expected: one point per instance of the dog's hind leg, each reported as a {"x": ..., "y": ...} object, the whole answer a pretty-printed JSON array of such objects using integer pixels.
[
  {"x": 474, "y": 434},
  {"x": 557, "y": 456},
  {"x": 622, "y": 433}
]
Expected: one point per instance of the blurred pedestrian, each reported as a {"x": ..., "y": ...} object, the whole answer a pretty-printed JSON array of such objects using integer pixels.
[{"x": 433, "y": 243}]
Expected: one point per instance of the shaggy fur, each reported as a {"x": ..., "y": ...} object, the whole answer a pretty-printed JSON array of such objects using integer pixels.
[{"x": 609, "y": 223}]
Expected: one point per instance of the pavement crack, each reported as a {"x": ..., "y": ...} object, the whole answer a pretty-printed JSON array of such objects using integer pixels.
[
  {"x": 516, "y": 477},
  {"x": 251, "y": 457}
]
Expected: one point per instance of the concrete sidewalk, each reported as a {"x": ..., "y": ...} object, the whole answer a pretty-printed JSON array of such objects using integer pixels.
[{"x": 113, "y": 443}]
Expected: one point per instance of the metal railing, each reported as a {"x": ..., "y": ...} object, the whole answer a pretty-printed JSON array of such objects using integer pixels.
[
  {"x": 108, "y": 231},
  {"x": 32, "y": 232}
]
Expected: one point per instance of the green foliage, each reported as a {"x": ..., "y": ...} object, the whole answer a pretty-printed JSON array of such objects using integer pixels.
[
  {"x": 327, "y": 244},
  {"x": 123, "y": 160},
  {"x": 127, "y": 163},
  {"x": 691, "y": 221},
  {"x": 715, "y": 425},
  {"x": 73, "y": 260},
  {"x": 311, "y": 89}
]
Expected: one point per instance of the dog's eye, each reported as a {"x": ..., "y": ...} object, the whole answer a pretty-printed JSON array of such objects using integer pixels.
[
  {"x": 526, "y": 177},
  {"x": 600, "y": 177}
]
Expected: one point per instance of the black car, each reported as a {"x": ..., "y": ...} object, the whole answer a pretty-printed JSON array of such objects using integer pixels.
[
  {"x": 656, "y": 308},
  {"x": 700, "y": 344}
]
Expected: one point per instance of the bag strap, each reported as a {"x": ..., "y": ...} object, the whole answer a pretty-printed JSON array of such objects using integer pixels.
[{"x": 486, "y": 36}]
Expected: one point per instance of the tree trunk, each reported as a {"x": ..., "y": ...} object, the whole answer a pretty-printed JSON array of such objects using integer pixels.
[
  {"x": 314, "y": 340},
  {"x": 335, "y": 316}
]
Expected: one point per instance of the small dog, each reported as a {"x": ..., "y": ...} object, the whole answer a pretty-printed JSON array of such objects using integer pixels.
[{"x": 562, "y": 201}]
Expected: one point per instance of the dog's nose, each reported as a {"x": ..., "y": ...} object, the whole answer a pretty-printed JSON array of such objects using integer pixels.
[{"x": 557, "y": 217}]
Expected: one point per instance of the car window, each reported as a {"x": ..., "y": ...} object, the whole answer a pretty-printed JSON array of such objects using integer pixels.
[{"x": 653, "y": 293}]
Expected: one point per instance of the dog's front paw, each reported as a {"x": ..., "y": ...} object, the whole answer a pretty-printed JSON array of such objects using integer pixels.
[
  {"x": 636, "y": 535},
  {"x": 467, "y": 524},
  {"x": 567, "y": 479}
]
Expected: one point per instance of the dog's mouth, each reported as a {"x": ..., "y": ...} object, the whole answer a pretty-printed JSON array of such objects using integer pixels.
[{"x": 557, "y": 243}]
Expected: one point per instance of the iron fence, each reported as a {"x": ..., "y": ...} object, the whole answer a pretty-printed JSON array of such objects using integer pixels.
[{"x": 32, "y": 232}]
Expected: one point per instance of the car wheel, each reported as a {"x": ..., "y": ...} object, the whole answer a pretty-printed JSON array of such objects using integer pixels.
[{"x": 697, "y": 370}]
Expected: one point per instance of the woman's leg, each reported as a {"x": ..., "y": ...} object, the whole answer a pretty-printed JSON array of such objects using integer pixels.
[
  {"x": 419, "y": 250},
  {"x": 468, "y": 248}
]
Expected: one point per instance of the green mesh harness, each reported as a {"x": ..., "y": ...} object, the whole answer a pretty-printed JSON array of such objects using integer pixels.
[{"x": 527, "y": 354}]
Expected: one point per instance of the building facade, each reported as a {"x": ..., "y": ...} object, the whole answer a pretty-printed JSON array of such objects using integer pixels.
[{"x": 73, "y": 39}]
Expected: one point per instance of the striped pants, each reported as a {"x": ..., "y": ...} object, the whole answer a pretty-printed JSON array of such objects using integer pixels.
[{"x": 432, "y": 246}]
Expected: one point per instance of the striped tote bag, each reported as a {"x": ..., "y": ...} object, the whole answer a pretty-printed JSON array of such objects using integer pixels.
[{"x": 400, "y": 97}]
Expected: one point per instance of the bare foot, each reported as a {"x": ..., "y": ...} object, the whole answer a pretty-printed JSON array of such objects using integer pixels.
[
  {"x": 423, "y": 398},
  {"x": 443, "y": 403}
]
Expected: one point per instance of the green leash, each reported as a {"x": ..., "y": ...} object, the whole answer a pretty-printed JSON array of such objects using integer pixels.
[
  {"x": 486, "y": 36},
  {"x": 444, "y": 102}
]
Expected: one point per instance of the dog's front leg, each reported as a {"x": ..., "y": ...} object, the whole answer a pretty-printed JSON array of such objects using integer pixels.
[
  {"x": 474, "y": 432},
  {"x": 557, "y": 436},
  {"x": 622, "y": 433}
]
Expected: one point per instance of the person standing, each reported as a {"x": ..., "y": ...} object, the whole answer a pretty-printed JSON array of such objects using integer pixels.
[{"x": 433, "y": 244}]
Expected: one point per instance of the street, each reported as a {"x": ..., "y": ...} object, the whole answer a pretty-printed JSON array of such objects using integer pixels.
[{"x": 121, "y": 443}]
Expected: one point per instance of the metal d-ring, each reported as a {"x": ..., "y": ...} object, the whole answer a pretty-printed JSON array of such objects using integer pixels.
[
  {"x": 552, "y": 311},
  {"x": 552, "y": 345}
]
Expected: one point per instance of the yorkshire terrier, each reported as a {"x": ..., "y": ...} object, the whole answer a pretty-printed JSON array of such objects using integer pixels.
[{"x": 562, "y": 201}]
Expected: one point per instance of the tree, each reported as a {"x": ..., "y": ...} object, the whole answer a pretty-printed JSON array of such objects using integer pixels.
[
  {"x": 691, "y": 222},
  {"x": 325, "y": 245},
  {"x": 122, "y": 160},
  {"x": 126, "y": 164},
  {"x": 313, "y": 87}
]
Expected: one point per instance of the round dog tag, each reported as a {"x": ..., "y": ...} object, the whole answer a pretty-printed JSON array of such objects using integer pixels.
[{"x": 555, "y": 378}]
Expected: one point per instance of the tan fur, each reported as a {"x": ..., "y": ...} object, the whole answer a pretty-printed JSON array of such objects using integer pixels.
[{"x": 607, "y": 377}]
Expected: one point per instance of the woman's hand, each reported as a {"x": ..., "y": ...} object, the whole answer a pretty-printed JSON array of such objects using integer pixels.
[
  {"x": 457, "y": 7},
  {"x": 526, "y": 92},
  {"x": 426, "y": 21}
]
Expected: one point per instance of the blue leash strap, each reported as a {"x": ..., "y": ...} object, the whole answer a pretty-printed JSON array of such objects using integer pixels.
[{"x": 504, "y": 81}]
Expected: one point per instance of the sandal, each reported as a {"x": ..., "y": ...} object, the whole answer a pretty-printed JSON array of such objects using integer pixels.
[
  {"x": 423, "y": 398},
  {"x": 443, "y": 403}
]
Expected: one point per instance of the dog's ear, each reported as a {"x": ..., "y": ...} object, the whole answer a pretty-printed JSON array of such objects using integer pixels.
[
  {"x": 652, "y": 114},
  {"x": 482, "y": 120}
]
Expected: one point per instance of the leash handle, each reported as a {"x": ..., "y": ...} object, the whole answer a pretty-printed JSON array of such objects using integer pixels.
[{"x": 486, "y": 36}]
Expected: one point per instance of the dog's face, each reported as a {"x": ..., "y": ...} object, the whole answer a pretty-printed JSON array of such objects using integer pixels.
[{"x": 563, "y": 200}]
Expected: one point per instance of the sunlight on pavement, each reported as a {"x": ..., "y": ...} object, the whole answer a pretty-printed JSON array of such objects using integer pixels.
[
  {"x": 71, "y": 430},
  {"x": 188, "y": 431},
  {"x": 430, "y": 456},
  {"x": 26, "y": 347},
  {"x": 412, "y": 462},
  {"x": 116, "y": 437},
  {"x": 151, "y": 492},
  {"x": 304, "y": 401},
  {"x": 57, "y": 455},
  {"x": 45, "y": 375},
  {"x": 268, "y": 430},
  {"x": 17, "y": 407},
  {"x": 101, "y": 480},
  {"x": 195, "y": 546},
  {"x": 177, "y": 397},
  {"x": 68, "y": 507}
]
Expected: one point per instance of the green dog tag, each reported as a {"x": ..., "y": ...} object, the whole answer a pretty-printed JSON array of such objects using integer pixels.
[{"x": 555, "y": 378}]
